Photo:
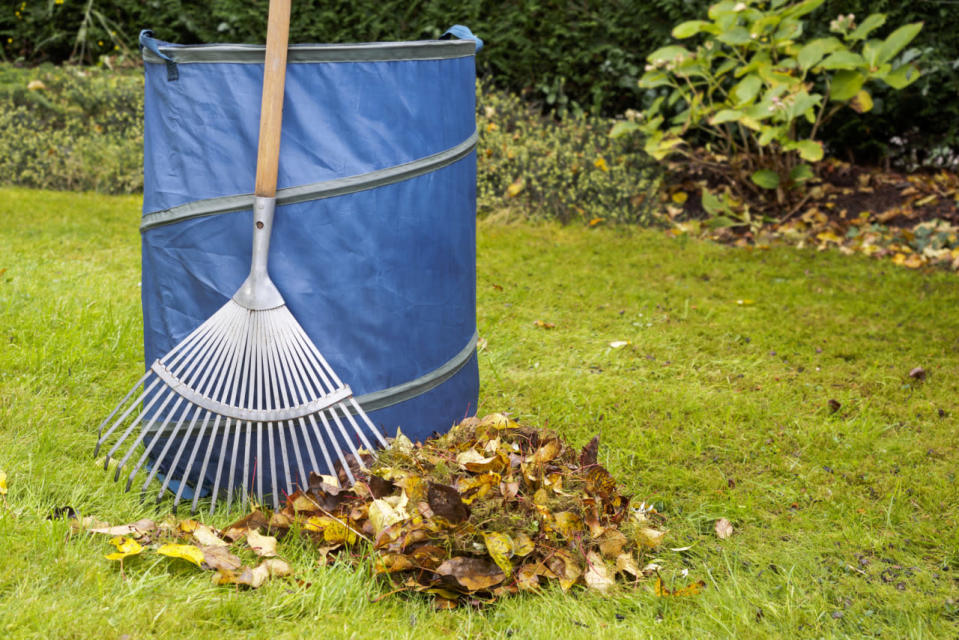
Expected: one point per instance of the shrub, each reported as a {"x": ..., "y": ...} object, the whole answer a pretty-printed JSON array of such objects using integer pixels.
[
  {"x": 755, "y": 93},
  {"x": 568, "y": 169},
  {"x": 82, "y": 128},
  {"x": 71, "y": 128}
]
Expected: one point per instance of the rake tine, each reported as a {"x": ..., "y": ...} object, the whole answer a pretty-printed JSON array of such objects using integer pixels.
[
  {"x": 130, "y": 428},
  {"x": 117, "y": 408},
  {"x": 122, "y": 418},
  {"x": 357, "y": 428},
  {"x": 146, "y": 451},
  {"x": 344, "y": 434},
  {"x": 246, "y": 466},
  {"x": 369, "y": 423},
  {"x": 168, "y": 397},
  {"x": 336, "y": 446},
  {"x": 166, "y": 446},
  {"x": 187, "y": 467},
  {"x": 206, "y": 460},
  {"x": 280, "y": 397}
]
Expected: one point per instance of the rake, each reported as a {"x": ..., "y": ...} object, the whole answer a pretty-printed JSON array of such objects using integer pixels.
[{"x": 249, "y": 374}]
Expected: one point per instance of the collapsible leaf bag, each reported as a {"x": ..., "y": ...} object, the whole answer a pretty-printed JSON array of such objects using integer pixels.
[{"x": 373, "y": 245}]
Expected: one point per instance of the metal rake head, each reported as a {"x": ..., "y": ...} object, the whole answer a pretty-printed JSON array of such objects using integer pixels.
[{"x": 242, "y": 377}]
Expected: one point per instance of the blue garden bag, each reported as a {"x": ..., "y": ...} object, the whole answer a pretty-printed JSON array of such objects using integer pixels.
[{"x": 373, "y": 246}]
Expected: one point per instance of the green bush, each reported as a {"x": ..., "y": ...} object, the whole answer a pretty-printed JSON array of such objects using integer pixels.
[
  {"x": 748, "y": 82},
  {"x": 566, "y": 56},
  {"x": 82, "y": 129},
  {"x": 569, "y": 169},
  {"x": 71, "y": 128}
]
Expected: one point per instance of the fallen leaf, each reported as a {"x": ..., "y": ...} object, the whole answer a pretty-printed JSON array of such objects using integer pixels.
[
  {"x": 445, "y": 502},
  {"x": 125, "y": 547},
  {"x": 590, "y": 453},
  {"x": 918, "y": 373},
  {"x": 207, "y": 537},
  {"x": 3, "y": 483},
  {"x": 500, "y": 548},
  {"x": 834, "y": 405},
  {"x": 218, "y": 557},
  {"x": 626, "y": 564},
  {"x": 723, "y": 528},
  {"x": 649, "y": 537},
  {"x": 254, "y": 520},
  {"x": 474, "y": 574},
  {"x": 619, "y": 344},
  {"x": 515, "y": 188},
  {"x": 692, "y": 589},
  {"x": 263, "y": 546},
  {"x": 597, "y": 574},
  {"x": 544, "y": 325},
  {"x": 187, "y": 552},
  {"x": 137, "y": 529},
  {"x": 253, "y": 578}
]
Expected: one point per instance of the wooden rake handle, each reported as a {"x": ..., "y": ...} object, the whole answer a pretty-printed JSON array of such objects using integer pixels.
[{"x": 271, "y": 108}]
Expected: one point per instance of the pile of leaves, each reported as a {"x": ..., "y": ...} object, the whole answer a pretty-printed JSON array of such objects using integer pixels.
[
  {"x": 492, "y": 508},
  {"x": 912, "y": 220}
]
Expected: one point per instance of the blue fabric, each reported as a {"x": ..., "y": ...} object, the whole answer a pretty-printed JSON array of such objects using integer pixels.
[{"x": 382, "y": 280}]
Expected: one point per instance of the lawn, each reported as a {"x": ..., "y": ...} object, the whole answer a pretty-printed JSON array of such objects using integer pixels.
[{"x": 723, "y": 404}]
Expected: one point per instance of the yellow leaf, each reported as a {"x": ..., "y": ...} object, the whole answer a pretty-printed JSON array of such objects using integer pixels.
[
  {"x": 523, "y": 545},
  {"x": 745, "y": 303},
  {"x": 401, "y": 443},
  {"x": 899, "y": 259},
  {"x": 595, "y": 221},
  {"x": 500, "y": 548},
  {"x": 125, "y": 547},
  {"x": 828, "y": 236},
  {"x": 515, "y": 188},
  {"x": 186, "y": 552},
  {"x": 567, "y": 523},
  {"x": 861, "y": 102},
  {"x": 383, "y": 513},
  {"x": 680, "y": 197},
  {"x": 264, "y": 546},
  {"x": 692, "y": 589},
  {"x": 3, "y": 483},
  {"x": 914, "y": 261},
  {"x": 597, "y": 574},
  {"x": 649, "y": 537},
  {"x": 206, "y": 536},
  {"x": 600, "y": 163}
]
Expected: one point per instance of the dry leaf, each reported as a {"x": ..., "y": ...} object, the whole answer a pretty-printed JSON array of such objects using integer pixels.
[
  {"x": 3, "y": 483},
  {"x": 207, "y": 537},
  {"x": 137, "y": 529},
  {"x": 125, "y": 547},
  {"x": 253, "y": 578},
  {"x": 187, "y": 552},
  {"x": 500, "y": 548},
  {"x": 649, "y": 537},
  {"x": 692, "y": 589},
  {"x": 724, "y": 529},
  {"x": 218, "y": 557},
  {"x": 473, "y": 574},
  {"x": 384, "y": 512},
  {"x": 263, "y": 546},
  {"x": 597, "y": 574}
]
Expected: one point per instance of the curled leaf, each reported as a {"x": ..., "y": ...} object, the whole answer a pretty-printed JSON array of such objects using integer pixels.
[
  {"x": 263, "y": 546},
  {"x": 125, "y": 547},
  {"x": 186, "y": 552}
]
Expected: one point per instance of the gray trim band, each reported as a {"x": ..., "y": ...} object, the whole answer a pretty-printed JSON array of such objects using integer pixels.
[
  {"x": 408, "y": 390},
  {"x": 300, "y": 53},
  {"x": 315, "y": 190}
]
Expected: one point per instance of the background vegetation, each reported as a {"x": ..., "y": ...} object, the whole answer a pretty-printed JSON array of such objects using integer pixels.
[{"x": 567, "y": 56}]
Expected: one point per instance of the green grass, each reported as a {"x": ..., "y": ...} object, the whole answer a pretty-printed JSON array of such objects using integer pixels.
[{"x": 846, "y": 522}]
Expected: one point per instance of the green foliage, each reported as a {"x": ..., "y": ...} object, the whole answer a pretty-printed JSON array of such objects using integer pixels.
[
  {"x": 567, "y": 169},
  {"x": 71, "y": 128},
  {"x": 82, "y": 129},
  {"x": 758, "y": 91}
]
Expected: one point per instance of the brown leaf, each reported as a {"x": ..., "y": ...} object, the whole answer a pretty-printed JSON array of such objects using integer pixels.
[
  {"x": 649, "y": 537},
  {"x": 473, "y": 574},
  {"x": 379, "y": 487},
  {"x": 254, "y": 520},
  {"x": 590, "y": 453},
  {"x": 218, "y": 557},
  {"x": 612, "y": 543},
  {"x": 918, "y": 373},
  {"x": 546, "y": 453},
  {"x": 445, "y": 502},
  {"x": 392, "y": 562},
  {"x": 138, "y": 529},
  {"x": 565, "y": 568},
  {"x": 626, "y": 564},
  {"x": 724, "y": 528},
  {"x": 834, "y": 405}
]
